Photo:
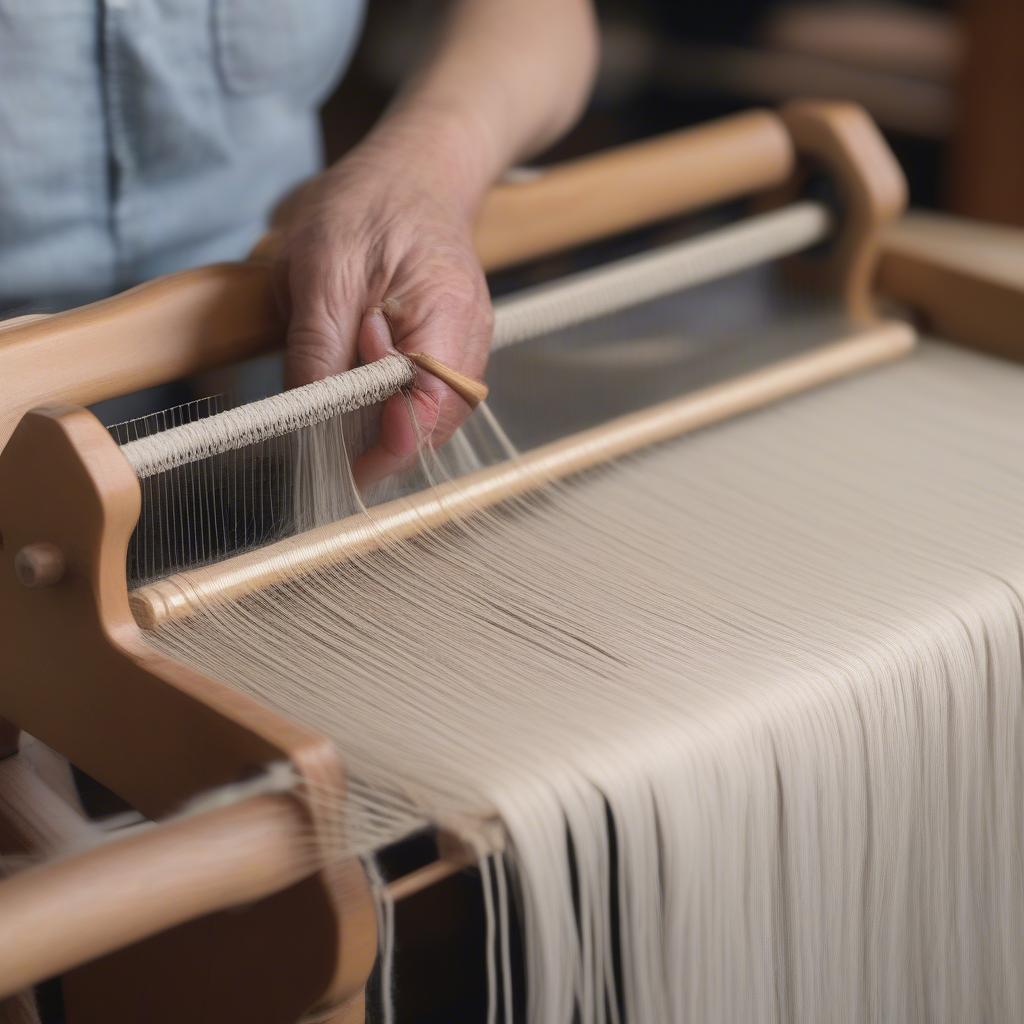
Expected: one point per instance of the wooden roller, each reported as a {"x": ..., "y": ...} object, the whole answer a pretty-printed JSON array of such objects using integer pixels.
[{"x": 634, "y": 185}]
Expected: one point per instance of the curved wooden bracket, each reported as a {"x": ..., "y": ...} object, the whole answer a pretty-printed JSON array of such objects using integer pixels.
[
  {"x": 126, "y": 713},
  {"x": 842, "y": 140}
]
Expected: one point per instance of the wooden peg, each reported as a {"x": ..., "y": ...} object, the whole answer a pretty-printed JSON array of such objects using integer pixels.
[{"x": 39, "y": 565}]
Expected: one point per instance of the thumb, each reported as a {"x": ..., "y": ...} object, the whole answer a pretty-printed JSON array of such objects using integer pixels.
[{"x": 406, "y": 420}]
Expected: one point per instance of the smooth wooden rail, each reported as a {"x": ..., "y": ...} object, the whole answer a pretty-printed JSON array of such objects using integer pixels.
[
  {"x": 58, "y": 915},
  {"x": 89, "y": 895},
  {"x": 184, "y": 594},
  {"x": 160, "y": 331},
  {"x": 634, "y": 185}
]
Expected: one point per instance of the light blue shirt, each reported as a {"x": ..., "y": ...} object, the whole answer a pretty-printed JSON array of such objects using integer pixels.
[{"x": 138, "y": 137}]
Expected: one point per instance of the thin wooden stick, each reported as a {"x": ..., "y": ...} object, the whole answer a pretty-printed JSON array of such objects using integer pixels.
[
  {"x": 65, "y": 913},
  {"x": 423, "y": 878},
  {"x": 185, "y": 593},
  {"x": 471, "y": 391}
]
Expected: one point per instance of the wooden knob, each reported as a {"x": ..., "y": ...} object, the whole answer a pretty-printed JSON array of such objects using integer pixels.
[{"x": 39, "y": 565}]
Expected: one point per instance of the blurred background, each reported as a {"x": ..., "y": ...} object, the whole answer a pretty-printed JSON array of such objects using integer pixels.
[{"x": 943, "y": 78}]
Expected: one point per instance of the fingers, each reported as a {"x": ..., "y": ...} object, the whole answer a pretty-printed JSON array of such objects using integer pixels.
[
  {"x": 433, "y": 411},
  {"x": 357, "y": 285},
  {"x": 401, "y": 425},
  {"x": 405, "y": 421}
]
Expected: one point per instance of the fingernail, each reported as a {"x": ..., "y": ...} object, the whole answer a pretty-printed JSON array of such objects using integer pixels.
[{"x": 376, "y": 322}]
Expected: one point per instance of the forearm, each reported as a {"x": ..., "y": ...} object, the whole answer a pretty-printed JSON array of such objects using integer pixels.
[
  {"x": 507, "y": 77},
  {"x": 377, "y": 253}
]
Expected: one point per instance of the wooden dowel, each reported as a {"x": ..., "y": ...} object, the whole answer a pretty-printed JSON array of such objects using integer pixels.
[
  {"x": 185, "y": 593},
  {"x": 426, "y": 876},
  {"x": 65, "y": 913},
  {"x": 572, "y": 300}
]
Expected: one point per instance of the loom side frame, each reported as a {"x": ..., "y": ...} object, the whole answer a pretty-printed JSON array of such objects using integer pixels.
[
  {"x": 125, "y": 714},
  {"x": 207, "y": 317}
]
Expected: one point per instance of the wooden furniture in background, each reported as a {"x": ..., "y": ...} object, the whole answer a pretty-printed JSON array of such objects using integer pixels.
[{"x": 987, "y": 157}]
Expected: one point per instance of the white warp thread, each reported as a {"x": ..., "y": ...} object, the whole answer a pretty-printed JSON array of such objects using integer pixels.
[
  {"x": 270, "y": 417},
  {"x": 759, "y": 688},
  {"x": 571, "y": 300},
  {"x": 632, "y": 281}
]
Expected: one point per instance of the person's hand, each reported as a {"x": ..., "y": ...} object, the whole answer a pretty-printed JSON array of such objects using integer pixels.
[{"x": 377, "y": 255}]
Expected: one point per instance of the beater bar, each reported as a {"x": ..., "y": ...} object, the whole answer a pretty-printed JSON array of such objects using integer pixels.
[
  {"x": 572, "y": 300},
  {"x": 183, "y": 594}
]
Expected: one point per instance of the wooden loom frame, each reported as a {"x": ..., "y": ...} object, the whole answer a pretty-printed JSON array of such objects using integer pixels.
[{"x": 158, "y": 734}]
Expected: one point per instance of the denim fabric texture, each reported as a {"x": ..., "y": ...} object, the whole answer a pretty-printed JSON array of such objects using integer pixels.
[{"x": 138, "y": 137}]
